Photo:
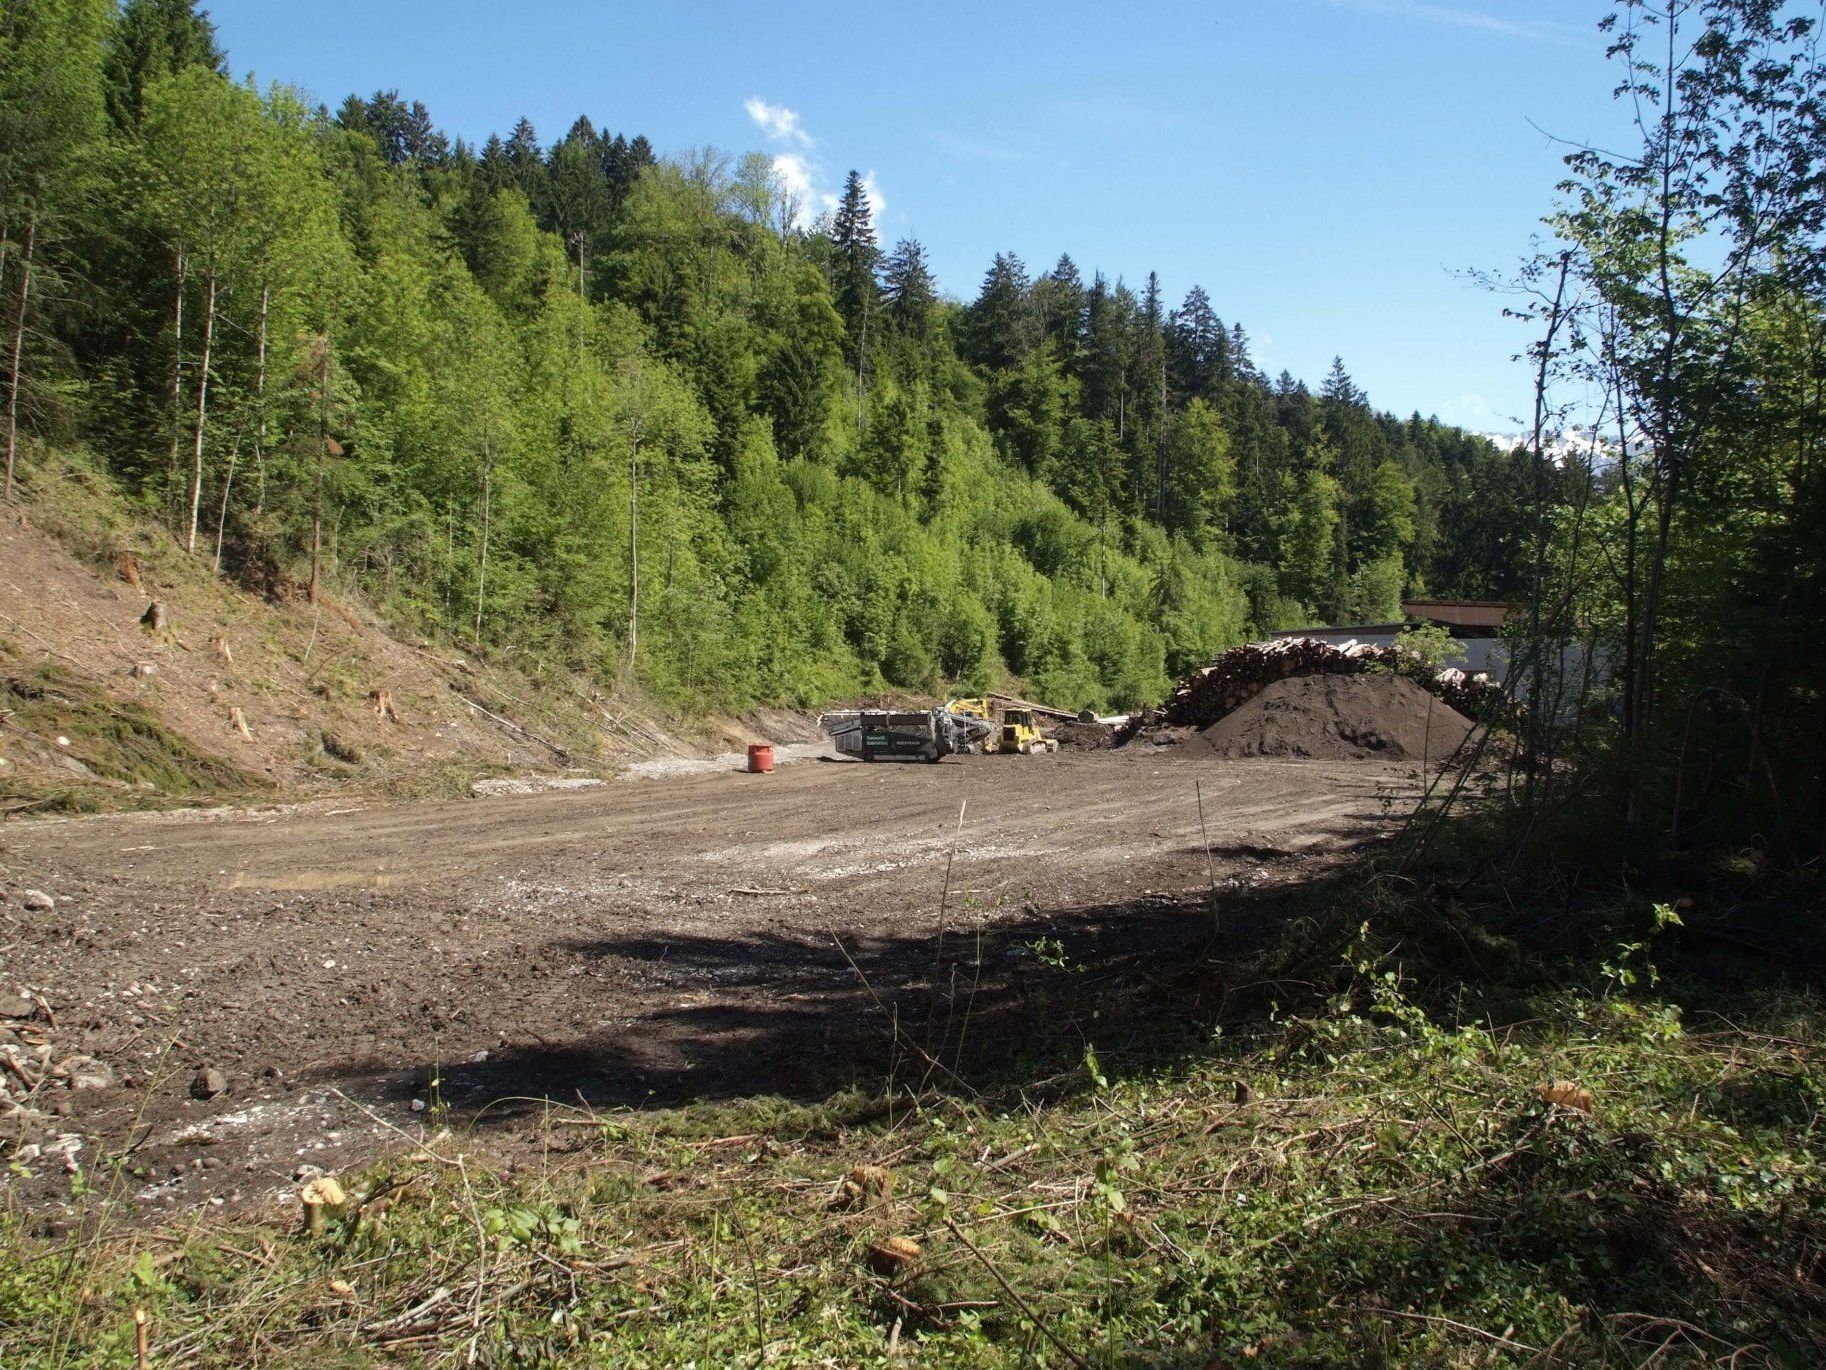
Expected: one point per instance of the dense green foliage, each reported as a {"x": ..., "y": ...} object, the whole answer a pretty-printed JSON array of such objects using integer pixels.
[
  {"x": 1683, "y": 316},
  {"x": 623, "y": 414}
]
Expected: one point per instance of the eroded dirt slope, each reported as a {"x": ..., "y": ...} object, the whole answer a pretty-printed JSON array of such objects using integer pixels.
[{"x": 237, "y": 692}]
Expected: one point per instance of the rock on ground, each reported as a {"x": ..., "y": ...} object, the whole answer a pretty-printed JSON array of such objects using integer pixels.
[{"x": 85, "y": 1072}]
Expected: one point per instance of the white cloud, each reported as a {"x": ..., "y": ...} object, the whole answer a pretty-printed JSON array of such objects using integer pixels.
[
  {"x": 779, "y": 123},
  {"x": 795, "y": 175},
  {"x": 802, "y": 178},
  {"x": 1477, "y": 413}
]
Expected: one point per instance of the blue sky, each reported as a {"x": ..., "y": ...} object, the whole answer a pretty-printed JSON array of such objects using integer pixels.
[{"x": 1326, "y": 169}]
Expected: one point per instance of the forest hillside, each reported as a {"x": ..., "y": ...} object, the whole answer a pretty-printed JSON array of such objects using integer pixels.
[{"x": 598, "y": 410}]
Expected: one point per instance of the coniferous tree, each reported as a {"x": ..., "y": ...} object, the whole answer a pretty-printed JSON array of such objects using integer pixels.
[
  {"x": 497, "y": 170},
  {"x": 909, "y": 292},
  {"x": 1059, "y": 300},
  {"x": 1108, "y": 351},
  {"x": 154, "y": 39},
  {"x": 999, "y": 327},
  {"x": 526, "y": 163},
  {"x": 404, "y": 132},
  {"x": 579, "y": 194},
  {"x": 1198, "y": 349},
  {"x": 1149, "y": 386},
  {"x": 854, "y": 258},
  {"x": 1242, "y": 365}
]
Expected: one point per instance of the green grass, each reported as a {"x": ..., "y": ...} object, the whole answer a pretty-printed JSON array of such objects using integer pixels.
[{"x": 1367, "y": 1183}]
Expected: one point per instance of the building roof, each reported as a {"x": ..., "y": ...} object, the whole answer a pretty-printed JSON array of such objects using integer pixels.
[
  {"x": 1345, "y": 630},
  {"x": 1458, "y": 613}
]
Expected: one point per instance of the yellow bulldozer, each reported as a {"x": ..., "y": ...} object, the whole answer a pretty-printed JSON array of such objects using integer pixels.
[{"x": 1016, "y": 731}]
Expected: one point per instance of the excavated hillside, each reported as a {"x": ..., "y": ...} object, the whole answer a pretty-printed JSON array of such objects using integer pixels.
[{"x": 131, "y": 675}]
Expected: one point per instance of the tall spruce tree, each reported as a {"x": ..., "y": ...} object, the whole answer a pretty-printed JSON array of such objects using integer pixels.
[
  {"x": 1059, "y": 300},
  {"x": 1000, "y": 328},
  {"x": 580, "y": 196},
  {"x": 1198, "y": 349},
  {"x": 854, "y": 258},
  {"x": 909, "y": 292}
]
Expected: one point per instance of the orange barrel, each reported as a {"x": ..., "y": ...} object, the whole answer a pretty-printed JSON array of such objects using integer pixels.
[{"x": 760, "y": 758}]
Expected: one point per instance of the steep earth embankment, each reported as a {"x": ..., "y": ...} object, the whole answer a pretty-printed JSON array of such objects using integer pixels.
[{"x": 106, "y": 701}]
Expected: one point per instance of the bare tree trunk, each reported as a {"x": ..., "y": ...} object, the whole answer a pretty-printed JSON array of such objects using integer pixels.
[
  {"x": 18, "y": 367},
  {"x": 488, "y": 476},
  {"x": 228, "y": 484},
  {"x": 323, "y": 457},
  {"x": 862, "y": 355},
  {"x": 1666, "y": 445},
  {"x": 196, "y": 457},
  {"x": 1538, "y": 726},
  {"x": 260, "y": 404},
  {"x": 1631, "y": 609},
  {"x": 1651, "y": 609},
  {"x": 177, "y": 380},
  {"x": 449, "y": 553},
  {"x": 583, "y": 301},
  {"x": 633, "y": 551}
]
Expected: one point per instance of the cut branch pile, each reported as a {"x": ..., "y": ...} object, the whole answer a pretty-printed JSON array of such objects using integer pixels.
[{"x": 1241, "y": 673}]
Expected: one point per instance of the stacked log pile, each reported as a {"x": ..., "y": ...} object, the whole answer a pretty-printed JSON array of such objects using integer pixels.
[
  {"x": 1241, "y": 673},
  {"x": 1474, "y": 696}
]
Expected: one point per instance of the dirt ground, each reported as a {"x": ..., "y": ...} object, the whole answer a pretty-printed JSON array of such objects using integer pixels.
[{"x": 359, "y": 974}]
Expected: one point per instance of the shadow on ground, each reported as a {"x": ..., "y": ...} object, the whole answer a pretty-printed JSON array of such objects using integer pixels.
[{"x": 1006, "y": 1008}]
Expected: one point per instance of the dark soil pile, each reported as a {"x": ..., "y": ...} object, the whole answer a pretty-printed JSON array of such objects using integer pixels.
[
  {"x": 1087, "y": 736},
  {"x": 1338, "y": 717}
]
